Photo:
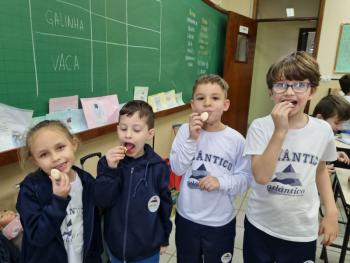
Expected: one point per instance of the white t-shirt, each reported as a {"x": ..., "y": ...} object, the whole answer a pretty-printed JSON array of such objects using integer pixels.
[
  {"x": 72, "y": 226},
  {"x": 218, "y": 154},
  {"x": 346, "y": 124},
  {"x": 287, "y": 207}
]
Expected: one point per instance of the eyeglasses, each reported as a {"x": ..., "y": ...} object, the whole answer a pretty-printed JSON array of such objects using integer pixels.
[{"x": 297, "y": 87}]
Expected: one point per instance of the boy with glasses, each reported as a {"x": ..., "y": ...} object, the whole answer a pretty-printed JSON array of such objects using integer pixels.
[{"x": 289, "y": 151}]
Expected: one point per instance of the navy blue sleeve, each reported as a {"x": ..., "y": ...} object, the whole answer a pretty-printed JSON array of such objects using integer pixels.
[
  {"x": 166, "y": 202},
  {"x": 40, "y": 223},
  {"x": 107, "y": 184}
]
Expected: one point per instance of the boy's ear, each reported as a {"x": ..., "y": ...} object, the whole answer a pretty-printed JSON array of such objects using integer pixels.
[
  {"x": 319, "y": 116},
  {"x": 226, "y": 104},
  {"x": 150, "y": 133},
  {"x": 312, "y": 93},
  {"x": 192, "y": 104}
]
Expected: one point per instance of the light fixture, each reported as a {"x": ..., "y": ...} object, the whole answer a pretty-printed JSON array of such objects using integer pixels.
[{"x": 290, "y": 11}]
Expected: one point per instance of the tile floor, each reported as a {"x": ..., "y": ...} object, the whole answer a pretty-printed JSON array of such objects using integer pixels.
[{"x": 241, "y": 203}]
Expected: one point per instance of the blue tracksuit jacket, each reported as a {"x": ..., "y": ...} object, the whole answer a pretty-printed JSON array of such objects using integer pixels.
[
  {"x": 42, "y": 213},
  {"x": 137, "y": 205}
]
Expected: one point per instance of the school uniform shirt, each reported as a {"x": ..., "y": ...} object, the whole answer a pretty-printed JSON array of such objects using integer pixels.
[
  {"x": 287, "y": 207},
  {"x": 72, "y": 226},
  {"x": 137, "y": 205},
  {"x": 218, "y": 154},
  {"x": 42, "y": 214},
  {"x": 346, "y": 124}
]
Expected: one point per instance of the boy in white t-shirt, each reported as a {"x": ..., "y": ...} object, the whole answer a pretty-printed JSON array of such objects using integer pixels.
[
  {"x": 209, "y": 157},
  {"x": 289, "y": 150}
]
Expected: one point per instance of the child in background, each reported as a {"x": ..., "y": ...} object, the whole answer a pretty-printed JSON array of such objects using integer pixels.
[
  {"x": 132, "y": 187},
  {"x": 10, "y": 236},
  {"x": 344, "y": 83},
  {"x": 11, "y": 227},
  {"x": 60, "y": 222},
  {"x": 208, "y": 156},
  {"x": 334, "y": 110},
  {"x": 289, "y": 150}
]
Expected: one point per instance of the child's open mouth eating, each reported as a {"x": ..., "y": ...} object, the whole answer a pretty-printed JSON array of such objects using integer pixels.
[{"x": 129, "y": 146}]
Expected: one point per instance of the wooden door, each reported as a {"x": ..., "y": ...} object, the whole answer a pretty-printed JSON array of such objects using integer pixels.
[{"x": 238, "y": 68}]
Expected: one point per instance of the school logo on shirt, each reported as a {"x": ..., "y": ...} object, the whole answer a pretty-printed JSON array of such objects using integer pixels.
[
  {"x": 193, "y": 181},
  {"x": 213, "y": 159},
  {"x": 286, "y": 183},
  {"x": 67, "y": 234},
  {"x": 226, "y": 258},
  {"x": 153, "y": 203}
]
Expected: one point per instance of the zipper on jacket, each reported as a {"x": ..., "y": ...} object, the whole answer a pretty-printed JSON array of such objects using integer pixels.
[
  {"x": 127, "y": 214},
  {"x": 91, "y": 233}
]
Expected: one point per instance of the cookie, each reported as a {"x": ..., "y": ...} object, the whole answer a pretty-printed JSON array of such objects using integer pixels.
[
  {"x": 56, "y": 174},
  {"x": 204, "y": 116}
]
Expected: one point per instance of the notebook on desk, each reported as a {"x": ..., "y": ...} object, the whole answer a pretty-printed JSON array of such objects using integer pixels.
[{"x": 344, "y": 140}]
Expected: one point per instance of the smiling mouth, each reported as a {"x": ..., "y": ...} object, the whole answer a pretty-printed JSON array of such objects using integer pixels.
[{"x": 61, "y": 167}]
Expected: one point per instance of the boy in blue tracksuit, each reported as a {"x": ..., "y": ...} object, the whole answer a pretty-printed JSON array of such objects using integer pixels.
[
  {"x": 132, "y": 187},
  {"x": 60, "y": 221}
]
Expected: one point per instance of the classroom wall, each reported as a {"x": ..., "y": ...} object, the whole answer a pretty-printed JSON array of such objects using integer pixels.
[
  {"x": 272, "y": 43},
  {"x": 277, "y": 8},
  {"x": 335, "y": 13},
  {"x": 244, "y": 8}
]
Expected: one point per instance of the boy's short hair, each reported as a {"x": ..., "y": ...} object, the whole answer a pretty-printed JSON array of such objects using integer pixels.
[
  {"x": 213, "y": 79},
  {"x": 331, "y": 106},
  {"x": 297, "y": 66},
  {"x": 344, "y": 83},
  {"x": 143, "y": 108}
]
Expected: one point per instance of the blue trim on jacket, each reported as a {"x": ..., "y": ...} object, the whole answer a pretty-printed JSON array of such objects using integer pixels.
[
  {"x": 42, "y": 213},
  {"x": 131, "y": 230}
]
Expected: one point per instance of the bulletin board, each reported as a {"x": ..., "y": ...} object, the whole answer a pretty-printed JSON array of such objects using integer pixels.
[{"x": 342, "y": 61}]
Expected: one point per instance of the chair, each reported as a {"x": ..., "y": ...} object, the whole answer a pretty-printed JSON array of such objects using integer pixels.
[{"x": 89, "y": 157}]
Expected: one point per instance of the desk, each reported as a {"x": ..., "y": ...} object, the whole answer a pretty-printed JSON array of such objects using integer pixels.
[
  {"x": 342, "y": 145},
  {"x": 341, "y": 189}
]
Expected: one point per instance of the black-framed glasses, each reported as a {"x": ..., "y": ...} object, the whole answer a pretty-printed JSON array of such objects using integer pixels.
[{"x": 297, "y": 87}]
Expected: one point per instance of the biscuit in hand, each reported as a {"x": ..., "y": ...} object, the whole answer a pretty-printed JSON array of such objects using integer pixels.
[
  {"x": 204, "y": 116},
  {"x": 56, "y": 174}
]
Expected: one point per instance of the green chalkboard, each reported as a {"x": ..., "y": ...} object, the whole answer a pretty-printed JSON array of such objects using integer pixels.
[
  {"x": 54, "y": 48},
  {"x": 342, "y": 62}
]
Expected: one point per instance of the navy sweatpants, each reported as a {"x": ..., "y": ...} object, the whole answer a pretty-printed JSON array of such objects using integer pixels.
[
  {"x": 259, "y": 247},
  {"x": 198, "y": 243}
]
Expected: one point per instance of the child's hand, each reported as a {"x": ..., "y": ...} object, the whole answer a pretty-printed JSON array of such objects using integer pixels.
[
  {"x": 62, "y": 186},
  {"x": 330, "y": 169},
  {"x": 195, "y": 125},
  {"x": 163, "y": 250},
  {"x": 329, "y": 228},
  {"x": 114, "y": 155},
  {"x": 209, "y": 183},
  {"x": 343, "y": 157},
  {"x": 280, "y": 114}
]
